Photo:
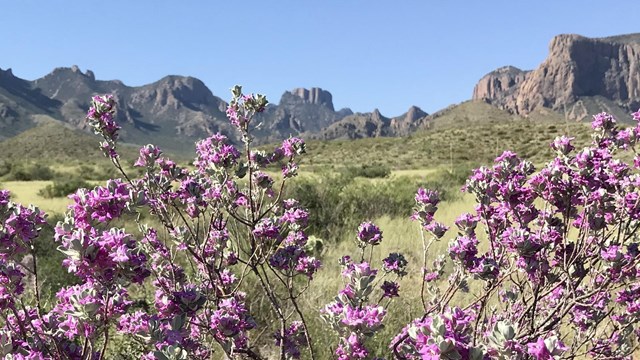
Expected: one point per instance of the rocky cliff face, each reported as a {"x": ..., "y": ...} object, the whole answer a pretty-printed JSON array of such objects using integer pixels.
[
  {"x": 500, "y": 86},
  {"x": 314, "y": 96},
  {"x": 577, "y": 70},
  {"x": 300, "y": 111}
]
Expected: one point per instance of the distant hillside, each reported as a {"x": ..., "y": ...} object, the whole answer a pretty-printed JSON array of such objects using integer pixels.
[
  {"x": 471, "y": 133},
  {"x": 580, "y": 76},
  {"x": 52, "y": 142}
]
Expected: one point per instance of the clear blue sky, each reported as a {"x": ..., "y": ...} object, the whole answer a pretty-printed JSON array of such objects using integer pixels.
[{"x": 368, "y": 54}]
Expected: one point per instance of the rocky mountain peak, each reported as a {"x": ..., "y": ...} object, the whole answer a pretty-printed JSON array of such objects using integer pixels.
[
  {"x": 175, "y": 91},
  {"x": 73, "y": 72},
  {"x": 576, "y": 67},
  {"x": 315, "y": 96},
  {"x": 376, "y": 115},
  {"x": 6, "y": 73},
  {"x": 414, "y": 113}
]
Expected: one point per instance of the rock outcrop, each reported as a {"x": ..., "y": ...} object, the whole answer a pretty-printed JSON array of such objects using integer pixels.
[
  {"x": 500, "y": 86},
  {"x": 314, "y": 96},
  {"x": 577, "y": 70},
  {"x": 300, "y": 111}
]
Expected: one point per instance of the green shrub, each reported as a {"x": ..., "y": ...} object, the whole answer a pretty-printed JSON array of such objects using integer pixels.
[
  {"x": 30, "y": 172},
  {"x": 63, "y": 187},
  {"x": 339, "y": 202},
  {"x": 98, "y": 172},
  {"x": 5, "y": 167},
  {"x": 368, "y": 171}
]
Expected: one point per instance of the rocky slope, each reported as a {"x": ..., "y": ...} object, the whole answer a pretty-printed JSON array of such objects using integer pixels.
[
  {"x": 374, "y": 124},
  {"x": 578, "y": 76}
]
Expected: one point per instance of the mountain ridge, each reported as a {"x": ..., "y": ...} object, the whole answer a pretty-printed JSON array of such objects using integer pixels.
[
  {"x": 158, "y": 111},
  {"x": 580, "y": 76}
]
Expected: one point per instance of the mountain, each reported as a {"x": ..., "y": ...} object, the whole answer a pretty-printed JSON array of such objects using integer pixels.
[
  {"x": 579, "y": 77},
  {"x": 176, "y": 111},
  {"x": 374, "y": 124},
  {"x": 19, "y": 102}
]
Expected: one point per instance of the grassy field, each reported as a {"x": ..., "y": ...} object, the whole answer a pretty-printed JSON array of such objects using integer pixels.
[{"x": 26, "y": 192}]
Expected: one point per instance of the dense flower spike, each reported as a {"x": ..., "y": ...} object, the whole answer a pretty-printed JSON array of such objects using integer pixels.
[
  {"x": 101, "y": 117},
  {"x": 550, "y": 258}
]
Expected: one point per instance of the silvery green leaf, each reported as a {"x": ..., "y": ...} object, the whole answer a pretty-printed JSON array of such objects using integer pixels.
[
  {"x": 445, "y": 346},
  {"x": 476, "y": 354},
  {"x": 437, "y": 326},
  {"x": 177, "y": 322},
  {"x": 507, "y": 331},
  {"x": 241, "y": 172},
  {"x": 160, "y": 355},
  {"x": 412, "y": 331}
]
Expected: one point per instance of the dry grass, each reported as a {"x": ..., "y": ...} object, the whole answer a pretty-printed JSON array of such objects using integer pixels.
[{"x": 26, "y": 193}]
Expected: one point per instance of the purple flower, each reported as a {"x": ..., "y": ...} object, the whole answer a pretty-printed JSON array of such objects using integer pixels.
[
  {"x": 546, "y": 349},
  {"x": 425, "y": 196},
  {"x": 294, "y": 338},
  {"x": 612, "y": 253},
  {"x": 390, "y": 289},
  {"x": 464, "y": 249},
  {"x": 215, "y": 152},
  {"x": 290, "y": 170},
  {"x": 603, "y": 121},
  {"x": 308, "y": 265},
  {"x": 351, "y": 348},
  {"x": 5, "y": 195},
  {"x": 369, "y": 234},
  {"x": 437, "y": 229},
  {"x": 295, "y": 216},
  {"x": 148, "y": 155},
  {"x": 367, "y": 319},
  {"x": 562, "y": 145},
  {"x": 293, "y": 146},
  {"x": 231, "y": 321},
  {"x": 426, "y": 205},
  {"x": 467, "y": 223},
  {"x": 395, "y": 263},
  {"x": 266, "y": 229}
]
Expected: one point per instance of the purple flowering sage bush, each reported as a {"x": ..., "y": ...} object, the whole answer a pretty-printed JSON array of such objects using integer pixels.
[{"x": 554, "y": 253}]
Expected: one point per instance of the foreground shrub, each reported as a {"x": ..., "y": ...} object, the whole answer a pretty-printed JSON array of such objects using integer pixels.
[{"x": 554, "y": 251}]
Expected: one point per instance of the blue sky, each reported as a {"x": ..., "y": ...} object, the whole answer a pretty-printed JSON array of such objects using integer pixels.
[{"x": 368, "y": 54}]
